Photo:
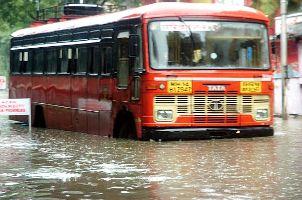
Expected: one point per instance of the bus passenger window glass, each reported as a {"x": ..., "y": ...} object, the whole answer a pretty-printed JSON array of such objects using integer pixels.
[
  {"x": 26, "y": 64},
  {"x": 123, "y": 59},
  {"x": 109, "y": 59},
  {"x": 82, "y": 56},
  {"x": 20, "y": 56},
  {"x": 38, "y": 61},
  {"x": 63, "y": 61},
  {"x": 30, "y": 62},
  {"x": 89, "y": 59},
  {"x": 96, "y": 60},
  {"x": 25, "y": 56},
  {"x": 16, "y": 64},
  {"x": 205, "y": 44},
  {"x": 138, "y": 63},
  {"x": 69, "y": 54},
  {"x": 52, "y": 61},
  {"x": 106, "y": 60}
]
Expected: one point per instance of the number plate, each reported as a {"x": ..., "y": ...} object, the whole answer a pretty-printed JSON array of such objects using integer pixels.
[
  {"x": 251, "y": 87},
  {"x": 179, "y": 86}
]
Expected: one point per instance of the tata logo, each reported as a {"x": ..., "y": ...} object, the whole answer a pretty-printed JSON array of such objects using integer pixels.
[
  {"x": 216, "y": 87},
  {"x": 215, "y": 105}
]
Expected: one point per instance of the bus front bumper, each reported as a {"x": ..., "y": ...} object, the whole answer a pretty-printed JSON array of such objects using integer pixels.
[{"x": 205, "y": 133}]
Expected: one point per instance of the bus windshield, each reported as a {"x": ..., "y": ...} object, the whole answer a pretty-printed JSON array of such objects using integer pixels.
[{"x": 208, "y": 45}]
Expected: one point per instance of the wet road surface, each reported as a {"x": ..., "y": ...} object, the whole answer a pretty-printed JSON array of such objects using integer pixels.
[{"x": 52, "y": 164}]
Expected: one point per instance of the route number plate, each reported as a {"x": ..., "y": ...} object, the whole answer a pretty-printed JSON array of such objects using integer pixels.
[
  {"x": 180, "y": 87},
  {"x": 250, "y": 87}
]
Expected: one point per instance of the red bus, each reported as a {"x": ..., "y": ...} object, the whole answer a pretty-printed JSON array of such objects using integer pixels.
[{"x": 165, "y": 70}]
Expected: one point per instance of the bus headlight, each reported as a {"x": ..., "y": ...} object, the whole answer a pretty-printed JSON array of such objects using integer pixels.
[
  {"x": 261, "y": 114},
  {"x": 164, "y": 115}
]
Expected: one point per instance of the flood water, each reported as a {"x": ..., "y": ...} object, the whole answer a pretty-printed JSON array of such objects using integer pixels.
[{"x": 52, "y": 164}]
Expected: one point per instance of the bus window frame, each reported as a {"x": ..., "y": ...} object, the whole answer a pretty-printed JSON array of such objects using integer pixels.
[
  {"x": 105, "y": 61},
  {"x": 34, "y": 52},
  {"x": 47, "y": 50},
  {"x": 92, "y": 47},
  {"x": 122, "y": 30},
  {"x": 137, "y": 62},
  {"x": 59, "y": 67},
  {"x": 107, "y": 33},
  {"x": 107, "y": 46},
  {"x": 12, "y": 62},
  {"x": 76, "y": 62},
  {"x": 28, "y": 67}
]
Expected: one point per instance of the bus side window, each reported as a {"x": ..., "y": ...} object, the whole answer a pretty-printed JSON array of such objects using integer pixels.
[
  {"x": 63, "y": 61},
  {"x": 138, "y": 62},
  {"x": 24, "y": 61},
  {"x": 30, "y": 61},
  {"x": 38, "y": 61},
  {"x": 106, "y": 60},
  {"x": 123, "y": 59},
  {"x": 52, "y": 61},
  {"x": 82, "y": 60},
  {"x": 89, "y": 59},
  {"x": 95, "y": 60},
  {"x": 16, "y": 62},
  {"x": 73, "y": 55}
]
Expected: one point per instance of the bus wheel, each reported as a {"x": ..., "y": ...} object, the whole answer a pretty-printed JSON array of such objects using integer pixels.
[
  {"x": 124, "y": 126},
  {"x": 39, "y": 120}
]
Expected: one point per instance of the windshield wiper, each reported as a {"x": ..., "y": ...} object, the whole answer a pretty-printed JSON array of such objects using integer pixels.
[{"x": 191, "y": 35}]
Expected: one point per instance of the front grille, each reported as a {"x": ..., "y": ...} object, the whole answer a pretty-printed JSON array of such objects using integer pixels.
[
  {"x": 212, "y": 105},
  {"x": 216, "y": 119},
  {"x": 215, "y": 104},
  {"x": 165, "y": 99}
]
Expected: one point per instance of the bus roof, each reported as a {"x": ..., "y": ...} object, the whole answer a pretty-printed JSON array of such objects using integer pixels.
[{"x": 156, "y": 10}]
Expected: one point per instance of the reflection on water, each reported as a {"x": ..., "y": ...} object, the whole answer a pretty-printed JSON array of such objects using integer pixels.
[{"x": 55, "y": 164}]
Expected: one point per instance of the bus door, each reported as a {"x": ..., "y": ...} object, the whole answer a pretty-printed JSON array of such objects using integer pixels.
[
  {"x": 79, "y": 62},
  {"x": 129, "y": 64},
  {"x": 123, "y": 66}
]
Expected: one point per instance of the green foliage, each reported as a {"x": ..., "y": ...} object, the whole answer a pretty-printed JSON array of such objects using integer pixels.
[
  {"x": 14, "y": 14},
  {"x": 268, "y": 7},
  {"x": 271, "y": 7}
]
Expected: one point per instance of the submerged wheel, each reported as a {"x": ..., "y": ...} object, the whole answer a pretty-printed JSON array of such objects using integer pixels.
[
  {"x": 125, "y": 126},
  {"x": 39, "y": 120}
]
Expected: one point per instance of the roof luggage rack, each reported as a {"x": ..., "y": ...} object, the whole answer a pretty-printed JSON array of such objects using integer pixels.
[{"x": 70, "y": 11}]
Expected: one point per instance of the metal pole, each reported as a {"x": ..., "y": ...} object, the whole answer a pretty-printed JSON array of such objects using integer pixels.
[{"x": 283, "y": 5}]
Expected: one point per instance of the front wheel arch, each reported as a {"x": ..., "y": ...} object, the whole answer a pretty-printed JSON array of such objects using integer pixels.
[{"x": 124, "y": 125}]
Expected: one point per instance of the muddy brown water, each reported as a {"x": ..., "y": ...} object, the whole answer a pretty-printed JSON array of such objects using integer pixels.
[{"x": 53, "y": 164}]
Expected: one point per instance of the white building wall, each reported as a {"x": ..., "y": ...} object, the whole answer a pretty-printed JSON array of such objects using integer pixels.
[
  {"x": 293, "y": 91},
  {"x": 300, "y": 59},
  {"x": 293, "y": 97},
  {"x": 277, "y": 99}
]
